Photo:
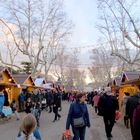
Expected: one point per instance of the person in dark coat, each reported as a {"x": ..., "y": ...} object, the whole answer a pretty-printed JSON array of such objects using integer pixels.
[
  {"x": 28, "y": 105},
  {"x": 21, "y": 101},
  {"x": 6, "y": 103},
  {"x": 136, "y": 123},
  {"x": 2, "y": 100},
  {"x": 13, "y": 106},
  {"x": 56, "y": 104},
  {"x": 36, "y": 105},
  {"x": 78, "y": 109},
  {"x": 36, "y": 100},
  {"x": 108, "y": 105},
  {"x": 49, "y": 98},
  {"x": 131, "y": 104}
]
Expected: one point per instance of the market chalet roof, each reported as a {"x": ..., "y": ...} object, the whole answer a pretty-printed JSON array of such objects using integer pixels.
[
  {"x": 127, "y": 76},
  {"x": 21, "y": 78},
  {"x": 124, "y": 78},
  {"x": 6, "y": 78},
  {"x": 117, "y": 81},
  {"x": 5, "y": 70}
]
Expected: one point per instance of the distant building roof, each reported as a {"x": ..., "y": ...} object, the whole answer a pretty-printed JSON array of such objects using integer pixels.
[{"x": 39, "y": 81}]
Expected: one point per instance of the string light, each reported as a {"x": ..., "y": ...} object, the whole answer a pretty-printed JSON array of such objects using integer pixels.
[
  {"x": 95, "y": 46},
  {"x": 83, "y": 65}
]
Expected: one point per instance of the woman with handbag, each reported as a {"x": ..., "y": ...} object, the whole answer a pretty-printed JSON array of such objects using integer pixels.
[{"x": 78, "y": 117}]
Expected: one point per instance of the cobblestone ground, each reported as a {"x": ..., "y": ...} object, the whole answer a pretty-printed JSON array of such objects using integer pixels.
[{"x": 53, "y": 131}]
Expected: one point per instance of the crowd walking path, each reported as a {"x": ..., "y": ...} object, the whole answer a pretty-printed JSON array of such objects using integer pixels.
[{"x": 53, "y": 130}]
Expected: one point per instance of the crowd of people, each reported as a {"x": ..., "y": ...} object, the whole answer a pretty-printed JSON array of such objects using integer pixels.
[
  {"x": 33, "y": 104},
  {"x": 104, "y": 102}
]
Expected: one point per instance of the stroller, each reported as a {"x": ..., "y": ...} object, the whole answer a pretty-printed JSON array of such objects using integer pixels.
[{"x": 44, "y": 104}]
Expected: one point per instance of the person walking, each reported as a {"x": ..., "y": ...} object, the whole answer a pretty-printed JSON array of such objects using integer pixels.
[
  {"x": 13, "y": 106},
  {"x": 28, "y": 129},
  {"x": 108, "y": 105},
  {"x": 28, "y": 105},
  {"x": 78, "y": 117},
  {"x": 124, "y": 101},
  {"x": 2, "y": 100},
  {"x": 49, "y": 98},
  {"x": 136, "y": 122},
  {"x": 21, "y": 101},
  {"x": 95, "y": 101},
  {"x": 70, "y": 98},
  {"x": 36, "y": 106},
  {"x": 56, "y": 104},
  {"x": 131, "y": 104}
]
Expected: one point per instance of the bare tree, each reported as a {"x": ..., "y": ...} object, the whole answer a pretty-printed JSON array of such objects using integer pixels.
[
  {"x": 41, "y": 27},
  {"x": 74, "y": 76},
  {"x": 79, "y": 80},
  {"x": 103, "y": 65},
  {"x": 66, "y": 67},
  {"x": 120, "y": 28},
  {"x": 60, "y": 65},
  {"x": 75, "y": 79},
  {"x": 11, "y": 51}
]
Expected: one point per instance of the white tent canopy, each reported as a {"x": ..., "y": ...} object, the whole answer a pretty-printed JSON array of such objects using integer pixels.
[{"x": 48, "y": 86}]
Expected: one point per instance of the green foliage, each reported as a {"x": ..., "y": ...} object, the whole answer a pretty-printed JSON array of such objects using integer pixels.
[
  {"x": 27, "y": 67},
  {"x": 13, "y": 71}
]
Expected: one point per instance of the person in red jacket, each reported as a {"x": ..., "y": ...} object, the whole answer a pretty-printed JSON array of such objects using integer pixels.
[{"x": 95, "y": 100}]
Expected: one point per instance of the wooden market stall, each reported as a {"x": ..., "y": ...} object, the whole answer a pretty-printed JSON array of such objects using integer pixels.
[
  {"x": 25, "y": 81},
  {"x": 7, "y": 85},
  {"x": 134, "y": 82},
  {"x": 126, "y": 86}
]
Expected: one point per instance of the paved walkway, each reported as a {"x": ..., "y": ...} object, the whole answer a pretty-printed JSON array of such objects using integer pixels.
[{"x": 53, "y": 131}]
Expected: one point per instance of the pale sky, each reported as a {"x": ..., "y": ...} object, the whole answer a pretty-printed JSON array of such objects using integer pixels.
[{"x": 83, "y": 14}]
